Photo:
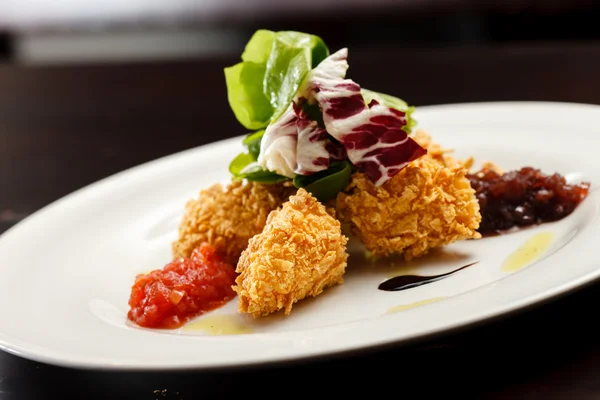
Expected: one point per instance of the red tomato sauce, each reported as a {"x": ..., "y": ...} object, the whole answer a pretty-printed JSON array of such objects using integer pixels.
[{"x": 185, "y": 288}]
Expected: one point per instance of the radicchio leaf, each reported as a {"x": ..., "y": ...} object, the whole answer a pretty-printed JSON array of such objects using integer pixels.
[
  {"x": 295, "y": 144},
  {"x": 315, "y": 149},
  {"x": 312, "y": 155},
  {"x": 373, "y": 135},
  {"x": 279, "y": 143}
]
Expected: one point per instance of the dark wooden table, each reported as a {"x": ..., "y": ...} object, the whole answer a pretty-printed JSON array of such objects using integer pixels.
[{"x": 62, "y": 128}]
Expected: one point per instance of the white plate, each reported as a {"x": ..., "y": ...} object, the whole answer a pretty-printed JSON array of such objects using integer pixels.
[{"x": 66, "y": 272}]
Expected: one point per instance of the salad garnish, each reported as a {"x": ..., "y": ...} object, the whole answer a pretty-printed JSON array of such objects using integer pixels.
[
  {"x": 310, "y": 124},
  {"x": 372, "y": 134},
  {"x": 262, "y": 85}
]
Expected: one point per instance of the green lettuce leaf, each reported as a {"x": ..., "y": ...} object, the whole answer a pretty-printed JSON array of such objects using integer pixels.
[
  {"x": 252, "y": 143},
  {"x": 247, "y": 99},
  {"x": 273, "y": 65},
  {"x": 244, "y": 166},
  {"x": 392, "y": 102},
  {"x": 325, "y": 185}
]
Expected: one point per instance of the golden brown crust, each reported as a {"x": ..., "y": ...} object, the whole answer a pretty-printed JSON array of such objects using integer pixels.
[
  {"x": 227, "y": 217},
  {"x": 428, "y": 204},
  {"x": 300, "y": 252}
]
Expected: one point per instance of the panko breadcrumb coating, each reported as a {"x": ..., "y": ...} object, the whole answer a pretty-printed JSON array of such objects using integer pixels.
[
  {"x": 428, "y": 204},
  {"x": 300, "y": 252},
  {"x": 228, "y": 216}
]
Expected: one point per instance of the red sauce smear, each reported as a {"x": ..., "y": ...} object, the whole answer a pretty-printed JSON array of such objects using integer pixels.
[{"x": 185, "y": 288}]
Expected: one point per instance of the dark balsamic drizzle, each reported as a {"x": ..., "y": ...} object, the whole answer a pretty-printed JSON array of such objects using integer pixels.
[{"x": 403, "y": 282}]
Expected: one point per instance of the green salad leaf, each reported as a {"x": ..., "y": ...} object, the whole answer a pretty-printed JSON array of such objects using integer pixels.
[
  {"x": 252, "y": 143},
  {"x": 325, "y": 185},
  {"x": 244, "y": 166},
  {"x": 392, "y": 102},
  {"x": 247, "y": 100},
  {"x": 292, "y": 56},
  {"x": 262, "y": 85}
]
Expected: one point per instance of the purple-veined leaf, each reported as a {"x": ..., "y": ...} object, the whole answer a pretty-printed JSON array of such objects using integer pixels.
[
  {"x": 315, "y": 149},
  {"x": 373, "y": 134},
  {"x": 278, "y": 145},
  {"x": 295, "y": 144}
]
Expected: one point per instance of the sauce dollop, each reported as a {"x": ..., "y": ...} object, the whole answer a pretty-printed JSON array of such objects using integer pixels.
[
  {"x": 183, "y": 289},
  {"x": 523, "y": 197}
]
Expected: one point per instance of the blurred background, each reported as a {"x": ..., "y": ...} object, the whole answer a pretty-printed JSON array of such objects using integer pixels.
[
  {"x": 89, "y": 88},
  {"x": 78, "y": 31}
]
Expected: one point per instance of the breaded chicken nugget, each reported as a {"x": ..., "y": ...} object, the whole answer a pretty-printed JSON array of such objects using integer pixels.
[
  {"x": 227, "y": 217},
  {"x": 300, "y": 252},
  {"x": 428, "y": 204}
]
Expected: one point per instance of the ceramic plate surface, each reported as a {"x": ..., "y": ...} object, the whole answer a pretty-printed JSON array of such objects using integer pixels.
[{"x": 66, "y": 271}]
